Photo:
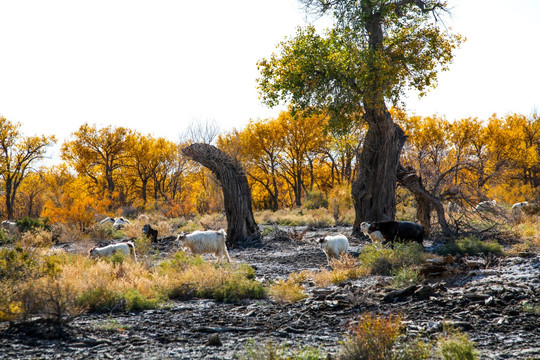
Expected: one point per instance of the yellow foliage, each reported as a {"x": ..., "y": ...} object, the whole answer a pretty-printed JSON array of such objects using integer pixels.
[{"x": 71, "y": 202}]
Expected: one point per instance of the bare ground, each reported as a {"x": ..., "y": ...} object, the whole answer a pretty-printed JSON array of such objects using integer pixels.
[{"x": 484, "y": 298}]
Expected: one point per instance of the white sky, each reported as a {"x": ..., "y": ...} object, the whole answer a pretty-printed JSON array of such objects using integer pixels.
[{"x": 155, "y": 66}]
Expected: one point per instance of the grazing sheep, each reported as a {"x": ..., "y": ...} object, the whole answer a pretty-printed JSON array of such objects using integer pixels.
[
  {"x": 128, "y": 248},
  {"x": 375, "y": 236},
  {"x": 200, "y": 242},
  {"x": 11, "y": 228},
  {"x": 334, "y": 246},
  {"x": 398, "y": 231},
  {"x": 150, "y": 232},
  {"x": 107, "y": 220},
  {"x": 120, "y": 222}
]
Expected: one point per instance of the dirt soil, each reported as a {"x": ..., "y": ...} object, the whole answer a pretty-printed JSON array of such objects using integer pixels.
[{"x": 484, "y": 298}]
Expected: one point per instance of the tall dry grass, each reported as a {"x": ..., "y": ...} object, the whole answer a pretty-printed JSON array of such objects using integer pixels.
[
  {"x": 60, "y": 286},
  {"x": 290, "y": 290},
  {"x": 344, "y": 268},
  {"x": 295, "y": 217}
]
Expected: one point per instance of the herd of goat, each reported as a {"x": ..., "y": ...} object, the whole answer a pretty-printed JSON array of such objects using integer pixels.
[
  {"x": 214, "y": 241},
  {"x": 211, "y": 241}
]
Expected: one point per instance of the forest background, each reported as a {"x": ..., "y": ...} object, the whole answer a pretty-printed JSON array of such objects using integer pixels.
[{"x": 291, "y": 162}]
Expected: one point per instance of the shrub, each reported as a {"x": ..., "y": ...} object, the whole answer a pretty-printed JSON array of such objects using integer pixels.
[
  {"x": 180, "y": 262},
  {"x": 289, "y": 290},
  {"x": 456, "y": 346},
  {"x": 36, "y": 238},
  {"x": 405, "y": 276},
  {"x": 4, "y": 238},
  {"x": 318, "y": 218},
  {"x": 531, "y": 308},
  {"x": 214, "y": 221},
  {"x": 111, "y": 325},
  {"x": 17, "y": 264},
  {"x": 29, "y": 287},
  {"x": 377, "y": 260},
  {"x": 143, "y": 245},
  {"x": 60, "y": 286},
  {"x": 113, "y": 285},
  {"x": 372, "y": 338},
  {"x": 315, "y": 200},
  {"x": 270, "y": 351},
  {"x": 344, "y": 268},
  {"x": 340, "y": 203},
  {"x": 415, "y": 349},
  {"x": 135, "y": 301},
  {"x": 221, "y": 281},
  {"x": 297, "y": 217},
  {"x": 131, "y": 231},
  {"x": 101, "y": 232},
  {"x": 45, "y": 296},
  {"x": 28, "y": 224},
  {"x": 378, "y": 338},
  {"x": 55, "y": 300},
  {"x": 99, "y": 299},
  {"x": 472, "y": 246},
  {"x": 190, "y": 226}
]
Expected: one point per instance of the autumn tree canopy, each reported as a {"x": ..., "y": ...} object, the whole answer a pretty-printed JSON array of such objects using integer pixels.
[
  {"x": 97, "y": 154},
  {"x": 463, "y": 161},
  {"x": 18, "y": 154}
]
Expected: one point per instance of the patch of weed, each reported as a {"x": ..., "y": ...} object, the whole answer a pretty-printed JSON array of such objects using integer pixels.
[{"x": 472, "y": 246}]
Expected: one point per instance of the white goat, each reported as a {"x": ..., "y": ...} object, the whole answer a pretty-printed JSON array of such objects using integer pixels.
[
  {"x": 107, "y": 220},
  {"x": 11, "y": 228},
  {"x": 200, "y": 242},
  {"x": 334, "y": 246},
  {"x": 375, "y": 236},
  {"x": 118, "y": 223},
  {"x": 127, "y": 248}
]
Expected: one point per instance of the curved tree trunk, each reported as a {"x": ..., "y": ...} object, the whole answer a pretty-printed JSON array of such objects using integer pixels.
[
  {"x": 374, "y": 190},
  {"x": 236, "y": 192},
  {"x": 407, "y": 178}
]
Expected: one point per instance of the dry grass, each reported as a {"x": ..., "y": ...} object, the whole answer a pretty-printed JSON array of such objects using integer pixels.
[
  {"x": 344, "y": 268},
  {"x": 36, "y": 238},
  {"x": 61, "y": 285},
  {"x": 340, "y": 204},
  {"x": 296, "y": 217},
  {"x": 454, "y": 345},
  {"x": 221, "y": 281},
  {"x": 270, "y": 351},
  {"x": 371, "y": 338},
  {"x": 213, "y": 222},
  {"x": 529, "y": 233},
  {"x": 377, "y": 260},
  {"x": 290, "y": 290}
]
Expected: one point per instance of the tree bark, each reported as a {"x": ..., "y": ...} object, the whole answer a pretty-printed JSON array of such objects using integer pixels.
[
  {"x": 374, "y": 189},
  {"x": 236, "y": 192},
  {"x": 425, "y": 201}
]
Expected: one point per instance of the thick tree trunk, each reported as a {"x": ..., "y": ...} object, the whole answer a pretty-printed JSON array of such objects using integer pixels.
[
  {"x": 425, "y": 201},
  {"x": 10, "y": 199},
  {"x": 236, "y": 192},
  {"x": 374, "y": 190}
]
